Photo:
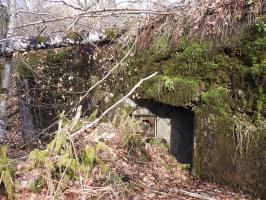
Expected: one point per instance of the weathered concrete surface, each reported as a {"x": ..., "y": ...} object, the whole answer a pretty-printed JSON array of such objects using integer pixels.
[{"x": 29, "y": 130}]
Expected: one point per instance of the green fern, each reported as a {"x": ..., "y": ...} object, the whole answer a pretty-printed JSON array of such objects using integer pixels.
[
  {"x": 36, "y": 185},
  {"x": 130, "y": 129},
  {"x": 168, "y": 83},
  {"x": 38, "y": 157},
  {"x": 89, "y": 156},
  {"x": 103, "y": 166},
  {"x": 61, "y": 160}
]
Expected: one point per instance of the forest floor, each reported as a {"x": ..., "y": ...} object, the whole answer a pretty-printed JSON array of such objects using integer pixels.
[{"x": 156, "y": 175}]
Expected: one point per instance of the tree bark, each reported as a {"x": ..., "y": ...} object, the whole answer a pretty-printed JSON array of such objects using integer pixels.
[
  {"x": 3, "y": 32},
  {"x": 9, "y": 46},
  {"x": 11, "y": 5},
  {"x": 3, "y": 21}
]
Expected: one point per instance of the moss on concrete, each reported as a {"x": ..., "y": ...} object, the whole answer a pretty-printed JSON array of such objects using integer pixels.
[
  {"x": 57, "y": 78},
  {"x": 176, "y": 91},
  {"x": 225, "y": 84},
  {"x": 73, "y": 36}
]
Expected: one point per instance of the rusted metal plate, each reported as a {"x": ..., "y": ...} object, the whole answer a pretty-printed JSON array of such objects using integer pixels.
[{"x": 149, "y": 125}]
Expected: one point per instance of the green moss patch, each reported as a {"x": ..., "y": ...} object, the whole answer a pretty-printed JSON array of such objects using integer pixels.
[
  {"x": 175, "y": 91},
  {"x": 225, "y": 85}
]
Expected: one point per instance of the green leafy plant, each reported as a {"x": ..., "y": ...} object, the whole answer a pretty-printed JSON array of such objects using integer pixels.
[
  {"x": 36, "y": 185},
  {"x": 61, "y": 161},
  {"x": 90, "y": 157},
  {"x": 6, "y": 172},
  {"x": 130, "y": 130},
  {"x": 168, "y": 83},
  {"x": 160, "y": 142},
  {"x": 261, "y": 27}
]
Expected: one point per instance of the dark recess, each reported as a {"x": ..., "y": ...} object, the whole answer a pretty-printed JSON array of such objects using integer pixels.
[{"x": 182, "y": 126}]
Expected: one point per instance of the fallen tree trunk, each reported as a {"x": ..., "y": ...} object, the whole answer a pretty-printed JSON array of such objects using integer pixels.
[{"x": 9, "y": 46}]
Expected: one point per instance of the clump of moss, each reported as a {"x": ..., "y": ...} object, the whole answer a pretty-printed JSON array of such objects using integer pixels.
[
  {"x": 159, "y": 142},
  {"x": 219, "y": 99},
  {"x": 175, "y": 91},
  {"x": 217, "y": 103},
  {"x": 160, "y": 48},
  {"x": 111, "y": 32},
  {"x": 61, "y": 57},
  {"x": 240, "y": 62},
  {"x": 40, "y": 40},
  {"x": 73, "y": 36}
]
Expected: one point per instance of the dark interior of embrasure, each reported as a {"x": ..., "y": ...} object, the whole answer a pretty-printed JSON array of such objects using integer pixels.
[{"x": 182, "y": 127}]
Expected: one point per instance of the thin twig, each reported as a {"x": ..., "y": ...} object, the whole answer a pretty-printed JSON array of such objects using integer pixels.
[
  {"x": 99, "y": 13},
  {"x": 107, "y": 75},
  {"x": 113, "y": 106}
]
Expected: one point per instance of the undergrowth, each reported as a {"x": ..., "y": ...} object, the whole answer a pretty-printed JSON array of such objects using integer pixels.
[
  {"x": 6, "y": 173},
  {"x": 61, "y": 163},
  {"x": 130, "y": 131}
]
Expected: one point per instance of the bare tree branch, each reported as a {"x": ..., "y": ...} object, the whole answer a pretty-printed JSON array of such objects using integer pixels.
[
  {"x": 33, "y": 13},
  {"x": 99, "y": 13},
  {"x": 106, "y": 76},
  {"x": 67, "y": 4},
  {"x": 77, "y": 5},
  {"x": 96, "y": 121},
  {"x": 47, "y": 14}
]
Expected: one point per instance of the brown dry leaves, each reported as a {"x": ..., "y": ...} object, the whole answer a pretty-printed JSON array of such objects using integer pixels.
[{"x": 156, "y": 176}]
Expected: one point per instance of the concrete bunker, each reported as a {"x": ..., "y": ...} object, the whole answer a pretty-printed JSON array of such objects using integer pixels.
[{"x": 174, "y": 124}]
